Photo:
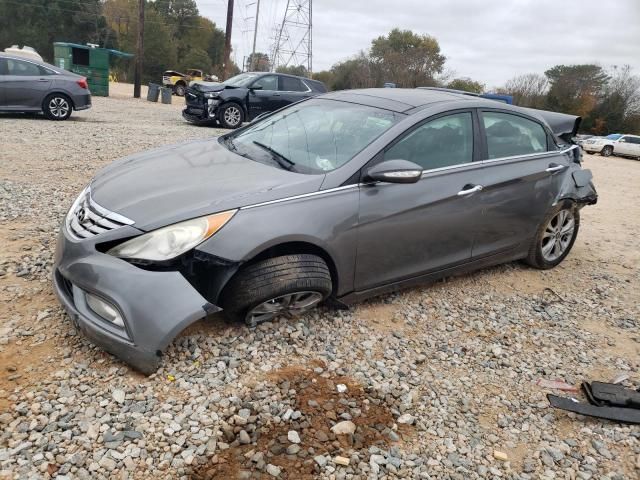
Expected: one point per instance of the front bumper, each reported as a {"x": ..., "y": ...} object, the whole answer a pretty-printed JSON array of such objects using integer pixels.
[{"x": 155, "y": 305}]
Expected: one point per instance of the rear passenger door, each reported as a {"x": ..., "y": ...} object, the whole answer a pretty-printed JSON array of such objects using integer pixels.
[
  {"x": 521, "y": 177},
  {"x": 628, "y": 145},
  {"x": 292, "y": 90}
]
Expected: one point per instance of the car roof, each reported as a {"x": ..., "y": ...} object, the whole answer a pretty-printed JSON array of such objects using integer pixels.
[{"x": 402, "y": 99}]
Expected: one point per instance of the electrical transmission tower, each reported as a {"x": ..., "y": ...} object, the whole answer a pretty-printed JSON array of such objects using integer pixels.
[{"x": 294, "y": 40}]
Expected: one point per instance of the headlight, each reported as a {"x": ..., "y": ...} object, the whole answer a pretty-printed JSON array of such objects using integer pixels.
[
  {"x": 169, "y": 242},
  {"x": 211, "y": 95}
]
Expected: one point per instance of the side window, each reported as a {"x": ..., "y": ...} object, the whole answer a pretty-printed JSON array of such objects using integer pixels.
[
  {"x": 268, "y": 82},
  {"x": 442, "y": 142},
  {"x": 509, "y": 135},
  {"x": 25, "y": 69},
  {"x": 3, "y": 66},
  {"x": 288, "y": 84},
  {"x": 634, "y": 140}
]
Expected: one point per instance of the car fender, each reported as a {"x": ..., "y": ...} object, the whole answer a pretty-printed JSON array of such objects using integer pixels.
[
  {"x": 578, "y": 187},
  {"x": 326, "y": 220}
]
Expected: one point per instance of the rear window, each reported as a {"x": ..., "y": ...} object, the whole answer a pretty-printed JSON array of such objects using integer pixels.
[
  {"x": 289, "y": 84},
  {"x": 316, "y": 86},
  {"x": 511, "y": 135}
]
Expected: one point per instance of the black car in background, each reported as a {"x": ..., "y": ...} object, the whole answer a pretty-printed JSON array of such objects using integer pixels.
[{"x": 246, "y": 96}]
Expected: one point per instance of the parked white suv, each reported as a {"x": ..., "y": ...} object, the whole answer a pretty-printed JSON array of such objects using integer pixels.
[{"x": 614, "y": 144}]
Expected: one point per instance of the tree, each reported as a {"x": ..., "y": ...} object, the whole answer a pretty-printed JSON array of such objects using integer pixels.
[
  {"x": 529, "y": 90},
  {"x": 40, "y": 23},
  {"x": 466, "y": 84},
  {"x": 326, "y": 77},
  {"x": 353, "y": 73},
  {"x": 619, "y": 108},
  {"x": 196, "y": 58},
  {"x": 261, "y": 63},
  {"x": 299, "y": 70},
  {"x": 575, "y": 89},
  {"x": 406, "y": 58}
]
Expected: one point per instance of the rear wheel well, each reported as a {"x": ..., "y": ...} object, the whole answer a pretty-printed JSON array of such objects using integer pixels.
[
  {"x": 292, "y": 248},
  {"x": 61, "y": 94}
]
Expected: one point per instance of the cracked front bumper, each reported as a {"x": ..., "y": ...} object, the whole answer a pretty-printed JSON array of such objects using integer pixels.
[{"x": 155, "y": 305}]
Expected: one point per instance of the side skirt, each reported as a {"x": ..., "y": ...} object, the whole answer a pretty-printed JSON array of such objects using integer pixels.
[{"x": 484, "y": 262}]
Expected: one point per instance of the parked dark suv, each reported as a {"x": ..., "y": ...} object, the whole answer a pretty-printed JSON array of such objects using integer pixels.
[{"x": 246, "y": 96}]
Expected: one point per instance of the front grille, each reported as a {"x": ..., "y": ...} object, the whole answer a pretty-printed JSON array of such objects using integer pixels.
[{"x": 87, "y": 219}]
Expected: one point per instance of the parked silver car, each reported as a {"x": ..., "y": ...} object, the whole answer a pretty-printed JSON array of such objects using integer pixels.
[
  {"x": 342, "y": 196},
  {"x": 30, "y": 86}
]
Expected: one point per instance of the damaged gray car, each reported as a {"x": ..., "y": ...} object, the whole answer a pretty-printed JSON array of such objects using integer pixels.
[{"x": 336, "y": 198}]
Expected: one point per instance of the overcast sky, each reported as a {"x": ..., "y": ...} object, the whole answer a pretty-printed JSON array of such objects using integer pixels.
[{"x": 487, "y": 40}]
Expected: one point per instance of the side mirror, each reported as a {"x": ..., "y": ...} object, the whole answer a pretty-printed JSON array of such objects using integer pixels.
[
  {"x": 255, "y": 87},
  {"x": 395, "y": 171}
]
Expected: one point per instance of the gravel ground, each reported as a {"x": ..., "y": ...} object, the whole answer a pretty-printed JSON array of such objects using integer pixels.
[{"x": 433, "y": 382}]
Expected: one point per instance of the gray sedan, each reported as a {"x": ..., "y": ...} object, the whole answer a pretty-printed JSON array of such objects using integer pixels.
[
  {"x": 30, "y": 86},
  {"x": 339, "y": 197}
]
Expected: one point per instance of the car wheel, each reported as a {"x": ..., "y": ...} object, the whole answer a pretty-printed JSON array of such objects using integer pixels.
[
  {"x": 555, "y": 237},
  {"x": 180, "y": 89},
  {"x": 231, "y": 115},
  {"x": 607, "y": 151},
  {"x": 57, "y": 107},
  {"x": 282, "y": 286}
]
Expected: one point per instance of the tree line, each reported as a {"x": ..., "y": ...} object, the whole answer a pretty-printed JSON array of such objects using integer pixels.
[{"x": 178, "y": 37}]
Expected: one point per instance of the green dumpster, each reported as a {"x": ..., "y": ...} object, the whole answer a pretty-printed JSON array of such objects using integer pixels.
[{"x": 88, "y": 61}]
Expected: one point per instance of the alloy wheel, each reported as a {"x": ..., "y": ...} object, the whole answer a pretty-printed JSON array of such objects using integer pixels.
[
  {"x": 232, "y": 116},
  {"x": 59, "y": 107},
  {"x": 557, "y": 235},
  {"x": 289, "y": 304}
]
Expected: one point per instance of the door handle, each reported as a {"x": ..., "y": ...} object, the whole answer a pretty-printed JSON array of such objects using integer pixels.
[
  {"x": 470, "y": 190},
  {"x": 555, "y": 168}
]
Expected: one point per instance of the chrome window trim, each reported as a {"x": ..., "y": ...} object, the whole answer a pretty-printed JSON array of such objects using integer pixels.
[
  {"x": 426, "y": 172},
  {"x": 529, "y": 155}
]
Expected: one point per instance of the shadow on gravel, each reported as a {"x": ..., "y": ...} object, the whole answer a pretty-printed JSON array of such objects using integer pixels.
[{"x": 315, "y": 395}]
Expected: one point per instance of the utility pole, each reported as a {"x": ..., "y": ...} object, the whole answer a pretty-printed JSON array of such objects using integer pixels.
[
  {"x": 227, "y": 40},
  {"x": 137, "y": 79},
  {"x": 255, "y": 36}
]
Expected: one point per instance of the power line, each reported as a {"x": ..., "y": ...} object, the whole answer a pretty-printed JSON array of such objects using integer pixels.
[{"x": 294, "y": 44}]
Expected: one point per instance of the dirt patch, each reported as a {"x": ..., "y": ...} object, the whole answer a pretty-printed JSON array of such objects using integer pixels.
[
  {"x": 321, "y": 404},
  {"x": 16, "y": 375}
]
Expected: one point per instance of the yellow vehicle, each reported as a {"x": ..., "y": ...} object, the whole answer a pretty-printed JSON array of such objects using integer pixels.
[{"x": 180, "y": 81}]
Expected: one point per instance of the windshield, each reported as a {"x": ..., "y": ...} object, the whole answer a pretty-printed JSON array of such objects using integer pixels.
[
  {"x": 241, "y": 80},
  {"x": 613, "y": 136},
  {"x": 314, "y": 136}
]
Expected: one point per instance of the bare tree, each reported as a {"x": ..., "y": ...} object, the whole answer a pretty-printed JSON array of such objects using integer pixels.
[{"x": 528, "y": 90}]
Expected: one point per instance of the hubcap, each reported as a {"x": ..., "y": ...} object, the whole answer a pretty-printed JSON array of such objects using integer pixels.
[
  {"x": 58, "y": 107},
  {"x": 290, "y": 304},
  {"x": 232, "y": 116},
  {"x": 557, "y": 235}
]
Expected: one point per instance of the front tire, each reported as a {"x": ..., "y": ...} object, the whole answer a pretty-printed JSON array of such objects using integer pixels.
[
  {"x": 231, "y": 115},
  {"x": 281, "y": 286},
  {"x": 57, "y": 107},
  {"x": 555, "y": 237},
  {"x": 607, "y": 151}
]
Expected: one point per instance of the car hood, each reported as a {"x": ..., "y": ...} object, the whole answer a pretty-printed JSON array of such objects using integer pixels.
[
  {"x": 179, "y": 182},
  {"x": 208, "y": 86}
]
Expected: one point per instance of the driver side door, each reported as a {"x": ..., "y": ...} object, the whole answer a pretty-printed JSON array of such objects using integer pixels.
[{"x": 406, "y": 230}]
